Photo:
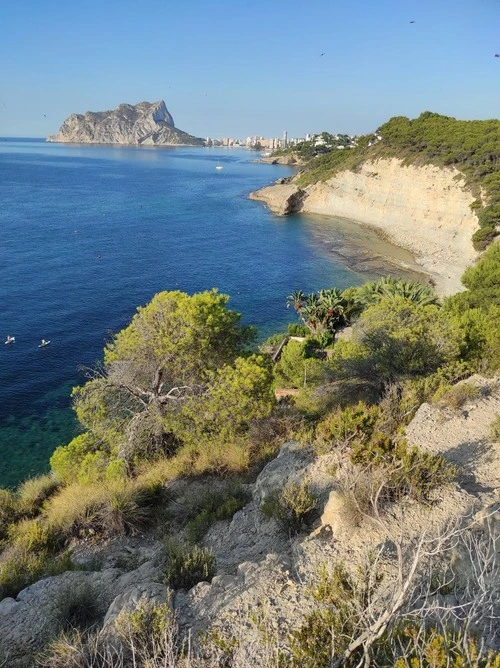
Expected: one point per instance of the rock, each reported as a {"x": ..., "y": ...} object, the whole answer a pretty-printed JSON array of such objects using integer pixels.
[
  {"x": 335, "y": 513},
  {"x": 30, "y": 621},
  {"x": 148, "y": 594},
  {"x": 285, "y": 469},
  {"x": 282, "y": 199},
  {"x": 144, "y": 124}
]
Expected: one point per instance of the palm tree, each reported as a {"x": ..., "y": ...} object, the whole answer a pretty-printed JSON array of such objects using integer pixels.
[
  {"x": 415, "y": 292},
  {"x": 296, "y": 299}
]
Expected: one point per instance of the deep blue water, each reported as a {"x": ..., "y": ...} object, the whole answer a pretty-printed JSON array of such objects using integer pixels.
[{"x": 88, "y": 233}]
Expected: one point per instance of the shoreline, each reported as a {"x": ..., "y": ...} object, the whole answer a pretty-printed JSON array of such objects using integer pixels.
[{"x": 424, "y": 210}]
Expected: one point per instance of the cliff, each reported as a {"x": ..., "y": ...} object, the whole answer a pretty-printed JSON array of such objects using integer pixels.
[
  {"x": 425, "y": 209},
  {"x": 141, "y": 124}
]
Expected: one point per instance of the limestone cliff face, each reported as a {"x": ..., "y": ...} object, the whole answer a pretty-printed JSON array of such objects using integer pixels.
[
  {"x": 425, "y": 209},
  {"x": 145, "y": 123}
]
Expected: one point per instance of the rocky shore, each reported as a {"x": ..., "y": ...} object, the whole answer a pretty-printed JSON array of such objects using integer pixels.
[{"x": 423, "y": 209}]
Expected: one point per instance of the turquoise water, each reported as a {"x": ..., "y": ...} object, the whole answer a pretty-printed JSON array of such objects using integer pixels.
[{"x": 88, "y": 233}]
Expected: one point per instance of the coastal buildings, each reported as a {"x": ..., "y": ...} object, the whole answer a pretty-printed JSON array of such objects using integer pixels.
[{"x": 259, "y": 142}]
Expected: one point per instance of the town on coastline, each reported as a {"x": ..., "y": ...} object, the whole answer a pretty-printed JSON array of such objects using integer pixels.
[{"x": 322, "y": 140}]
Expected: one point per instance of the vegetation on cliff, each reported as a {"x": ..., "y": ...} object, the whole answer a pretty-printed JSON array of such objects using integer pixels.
[
  {"x": 471, "y": 147},
  {"x": 182, "y": 393}
]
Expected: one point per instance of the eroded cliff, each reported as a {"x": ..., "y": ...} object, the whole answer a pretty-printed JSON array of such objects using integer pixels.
[{"x": 425, "y": 209}]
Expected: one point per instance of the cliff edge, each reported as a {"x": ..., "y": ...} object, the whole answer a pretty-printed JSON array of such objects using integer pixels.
[
  {"x": 425, "y": 209},
  {"x": 145, "y": 123}
]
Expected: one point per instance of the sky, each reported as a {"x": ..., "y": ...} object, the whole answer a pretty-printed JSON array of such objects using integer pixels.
[{"x": 235, "y": 68}]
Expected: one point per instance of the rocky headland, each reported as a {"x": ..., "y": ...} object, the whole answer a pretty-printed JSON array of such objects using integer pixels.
[
  {"x": 425, "y": 209},
  {"x": 144, "y": 124}
]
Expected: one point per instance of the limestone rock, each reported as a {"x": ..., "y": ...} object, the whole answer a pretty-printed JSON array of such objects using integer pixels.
[
  {"x": 141, "y": 124},
  {"x": 28, "y": 622},
  {"x": 285, "y": 469},
  {"x": 334, "y": 513},
  {"x": 282, "y": 199},
  {"x": 130, "y": 599}
]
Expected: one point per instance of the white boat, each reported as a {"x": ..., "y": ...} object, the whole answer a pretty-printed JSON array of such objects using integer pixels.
[
  {"x": 44, "y": 343},
  {"x": 10, "y": 339},
  {"x": 219, "y": 167}
]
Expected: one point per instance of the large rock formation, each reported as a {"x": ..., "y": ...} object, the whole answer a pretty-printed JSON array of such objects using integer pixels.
[
  {"x": 145, "y": 123},
  {"x": 425, "y": 209}
]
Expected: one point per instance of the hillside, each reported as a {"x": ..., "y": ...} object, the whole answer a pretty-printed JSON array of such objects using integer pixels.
[{"x": 141, "y": 124}]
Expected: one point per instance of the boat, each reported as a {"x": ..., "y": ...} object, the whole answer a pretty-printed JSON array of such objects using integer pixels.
[
  {"x": 219, "y": 166},
  {"x": 10, "y": 339},
  {"x": 43, "y": 343}
]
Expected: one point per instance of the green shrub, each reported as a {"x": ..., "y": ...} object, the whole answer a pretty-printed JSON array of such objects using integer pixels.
[
  {"x": 78, "y": 607},
  {"x": 457, "y": 396},
  {"x": 328, "y": 630},
  {"x": 294, "y": 329},
  {"x": 412, "y": 644},
  {"x": 7, "y": 511},
  {"x": 341, "y": 427},
  {"x": 32, "y": 535},
  {"x": 213, "y": 508},
  {"x": 296, "y": 368},
  {"x": 20, "y": 567},
  {"x": 483, "y": 237},
  {"x": 401, "y": 338},
  {"x": 187, "y": 565},
  {"x": 495, "y": 429},
  {"x": 409, "y": 470},
  {"x": 32, "y": 494},
  {"x": 290, "y": 507},
  {"x": 109, "y": 509}
]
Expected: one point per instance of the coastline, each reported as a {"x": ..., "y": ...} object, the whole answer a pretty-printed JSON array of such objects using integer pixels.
[{"x": 425, "y": 210}]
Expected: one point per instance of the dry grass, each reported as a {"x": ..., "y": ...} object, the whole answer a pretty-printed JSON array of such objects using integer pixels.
[{"x": 32, "y": 494}]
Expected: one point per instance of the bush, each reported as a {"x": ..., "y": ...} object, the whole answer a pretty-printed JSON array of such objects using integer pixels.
[
  {"x": 354, "y": 424},
  {"x": 116, "y": 508},
  {"x": 214, "y": 507},
  {"x": 33, "y": 493},
  {"x": 458, "y": 395},
  {"x": 186, "y": 566},
  {"x": 32, "y": 535},
  {"x": 7, "y": 511},
  {"x": 20, "y": 567},
  {"x": 495, "y": 429},
  {"x": 294, "y": 329},
  {"x": 297, "y": 369},
  {"x": 327, "y": 631},
  {"x": 483, "y": 237},
  {"x": 78, "y": 608},
  {"x": 290, "y": 507},
  {"x": 409, "y": 470},
  {"x": 401, "y": 338}
]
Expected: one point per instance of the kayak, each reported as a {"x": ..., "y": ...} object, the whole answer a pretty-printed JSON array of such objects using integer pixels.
[{"x": 45, "y": 343}]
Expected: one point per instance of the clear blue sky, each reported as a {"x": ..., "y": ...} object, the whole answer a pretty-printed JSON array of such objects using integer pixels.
[{"x": 238, "y": 68}]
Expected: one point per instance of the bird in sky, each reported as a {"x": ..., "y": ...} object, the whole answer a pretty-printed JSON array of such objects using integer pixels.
[
  {"x": 497, "y": 55},
  {"x": 412, "y": 21},
  {"x": 321, "y": 54}
]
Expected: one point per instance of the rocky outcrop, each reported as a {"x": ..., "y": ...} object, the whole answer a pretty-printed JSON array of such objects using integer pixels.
[
  {"x": 141, "y": 124},
  {"x": 282, "y": 198},
  {"x": 424, "y": 209},
  {"x": 262, "y": 589},
  {"x": 30, "y": 621}
]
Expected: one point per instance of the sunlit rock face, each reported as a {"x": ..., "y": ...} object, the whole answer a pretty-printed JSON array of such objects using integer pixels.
[{"x": 148, "y": 123}]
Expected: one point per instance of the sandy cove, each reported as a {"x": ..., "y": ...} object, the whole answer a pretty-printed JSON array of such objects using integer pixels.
[{"x": 423, "y": 209}]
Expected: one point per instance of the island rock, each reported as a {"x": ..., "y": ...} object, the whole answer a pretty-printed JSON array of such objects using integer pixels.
[{"x": 145, "y": 123}]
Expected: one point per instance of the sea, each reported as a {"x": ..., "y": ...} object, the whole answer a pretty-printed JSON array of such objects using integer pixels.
[{"x": 89, "y": 233}]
